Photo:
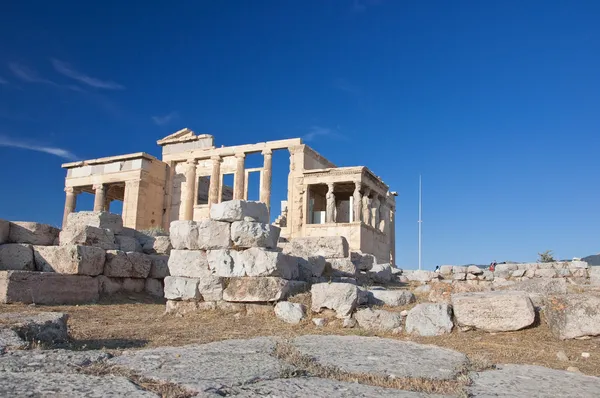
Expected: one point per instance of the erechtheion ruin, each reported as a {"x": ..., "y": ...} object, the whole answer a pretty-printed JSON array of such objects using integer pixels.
[{"x": 322, "y": 199}]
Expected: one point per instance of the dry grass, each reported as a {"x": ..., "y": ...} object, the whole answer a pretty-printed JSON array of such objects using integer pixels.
[{"x": 121, "y": 323}]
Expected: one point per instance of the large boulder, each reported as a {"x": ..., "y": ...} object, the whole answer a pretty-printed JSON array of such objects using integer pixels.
[
  {"x": 32, "y": 233},
  {"x": 340, "y": 297},
  {"x": 70, "y": 259},
  {"x": 420, "y": 276},
  {"x": 4, "y": 231},
  {"x": 104, "y": 220},
  {"x": 160, "y": 266},
  {"x": 120, "y": 264},
  {"x": 246, "y": 234},
  {"x": 341, "y": 267},
  {"x": 157, "y": 245},
  {"x": 16, "y": 256},
  {"x": 539, "y": 288},
  {"x": 393, "y": 298},
  {"x": 573, "y": 315},
  {"x": 363, "y": 261},
  {"x": 47, "y": 327},
  {"x": 240, "y": 210},
  {"x": 429, "y": 319},
  {"x": 87, "y": 235},
  {"x": 261, "y": 289},
  {"x": 47, "y": 288},
  {"x": 290, "y": 312},
  {"x": 310, "y": 267},
  {"x": 378, "y": 320},
  {"x": 499, "y": 311},
  {"x": 188, "y": 263},
  {"x": 326, "y": 246},
  {"x": 380, "y": 273}
]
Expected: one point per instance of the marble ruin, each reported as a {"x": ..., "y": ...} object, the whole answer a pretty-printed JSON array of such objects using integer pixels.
[{"x": 322, "y": 199}]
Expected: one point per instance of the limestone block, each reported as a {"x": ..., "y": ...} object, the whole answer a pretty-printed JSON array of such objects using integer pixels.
[
  {"x": 545, "y": 273},
  {"x": 326, "y": 246},
  {"x": 213, "y": 235},
  {"x": 475, "y": 270},
  {"x": 446, "y": 269},
  {"x": 157, "y": 245},
  {"x": 517, "y": 273},
  {"x": 580, "y": 273},
  {"x": 594, "y": 273},
  {"x": 16, "y": 256},
  {"x": 184, "y": 235},
  {"x": 578, "y": 265},
  {"x": 572, "y": 316},
  {"x": 340, "y": 297},
  {"x": 262, "y": 262},
  {"x": 180, "y": 288},
  {"x": 133, "y": 285},
  {"x": 109, "y": 286},
  {"x": 378, "y": 320},
  {"x": 459, "y": 276},
  {"x": 154, "y": 287},
  {"x": 69, "y": 259},
  {"x": 487, "y": 275},
  {"x": 343, "y": 267},
  {"x": 128, "y": 232},
  {"x": 539, "y": 288},
  {"x": 120, "y": 264},
  {"x": 393, "y": 298},
  {"x": 498, "y": 311},
  {"x": 160, "y": 266},
  {"x": 530, "y": 273},
  {"x": 188, "y": 263},
  {"x": 87, "y": 235},
  {"x": 290, "y": 312},
  {"x": 528, "y": 266},
  {"x": 428, "y": 319},
  {"x": 4, "y": 231},
  {"x": 261, "y": 289},
  {"x": 32, "y": 233},
  {"x": 363, "y": 261},
  {"x": 46, "y": 288},
  {"x": 47, "y": 327},
  {"x": 240, "y": 210},
  {"x": 471, "y": 277},
  {"x": 128, "y": 244},
  {"x": 311, "y": 267},
  {"x": 381, "y": 273},
  {"x": 421, "y": 276},
  {"x": 225, "y": 263},
  {"x": 186, "y": 307},
  {"x": 459, "y": 269},
  {"x": 246, "y": 234},
  {"x": 103, "y": 220},
  {"x": 564, "y": 272},
  {"x": 10, "y": 339},
  {"x": 232, "y": 308},
  {"x": 210, "y": 288},
  {"x": 505, "y": 270}
]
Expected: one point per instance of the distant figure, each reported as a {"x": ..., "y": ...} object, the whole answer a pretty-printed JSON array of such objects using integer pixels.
[
  {"x": 493, "y": 266},
  {"x": 437, "y": 268}
]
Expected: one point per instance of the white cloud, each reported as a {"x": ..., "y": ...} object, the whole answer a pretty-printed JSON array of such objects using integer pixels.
[
  {"x": 63, "y": 153},
  {"x": 319, "y": 131},
  {"x": 67, "y": 70},
  {"x": 166, "y": 119},
  {"x": 28, "y": 75}
]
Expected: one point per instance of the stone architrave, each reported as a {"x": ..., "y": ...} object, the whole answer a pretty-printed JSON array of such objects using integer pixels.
[
  {"x": 357, "y": 199},
  {"x": 265, "y": 182},
  {"x": 239, "y": 176},
  {"x": 330, "y": 211},
  {"x": 366, "y": 206},
  {"x": 70, "y": 259}
]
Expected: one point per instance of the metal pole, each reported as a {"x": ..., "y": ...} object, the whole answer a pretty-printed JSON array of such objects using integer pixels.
[{"x": 420, "y": 222}]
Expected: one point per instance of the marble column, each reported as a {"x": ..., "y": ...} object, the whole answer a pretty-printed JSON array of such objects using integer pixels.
[
  {"x": 357, "y": 199},
  {"x": 70, "y": 203},
  {"x": 393, "y": 235},
  {"x": 375, "y": 210},
  {"x": 99, "y": 198},
  {"x": 330, "y": 211},
  {"x": 190, "y": 190},
  {"x": 215, "y": 180},
  {"x": 366, "y": 206},
  {"x": 265, "y": 181},
  {"x": 238, "y": 178}
]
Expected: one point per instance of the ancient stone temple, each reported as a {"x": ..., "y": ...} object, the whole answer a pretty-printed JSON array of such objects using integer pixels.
[{"x": 322, "y": 199}]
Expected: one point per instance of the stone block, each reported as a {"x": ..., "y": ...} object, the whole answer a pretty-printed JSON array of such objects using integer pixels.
[
  {"x": 446, "y": 269},
  {"x": 189, "y": 263},
  {"x": 261, "y": 289},
  {"x": 120, "y": 264},
  {"x": 326, "y": 246},
  {"x": 393, "y": 298},
  {"x": 47, "y": 327},
  {"x": 160, "y": 266},
  {"x": 428, "y": 319},
  {"x": 459, "y": 276},
  {"x": 109, "y": 286},
  {"x": 421, "y": 276},
  {"x": 70, "y": 259},
  {"x": 180, "y": 288},
  {"x": 518, "y": 273},
  {"x": 245, "y": 234},
  {"x": 459, "y": 269},
  {"x": 32, "y": 233},
  {"x": 539, "y": 288},
  {"x": 46, "y": 288},
  {"x": 186, "y": 307},
  {"x": 87, "y": 235},
  {"x": 340, "y": 297},
  {"x": 580, "y": 273},
  {"x": 211, "y": 288},
  {"x": 4, "y": 231},
  {"x": 240, "y": 210},
  {"x": 104, "y": 220},
  {"x": 363, "y": 261},
  {"x": 127, "y": 244},
  {"x": 225, "y": 263},
  {"x": 154, "y": 287},
  {"x": 572, "y": 316},
  {"x": 213, "y": 235},
  {"x": 290, "y": 312},
  {"x": 133, "y": 285},
  {"x": 378, "y": 320},
  {"x": 594, "y": 274},
  {"x": 16, "y": 256},
  {"x": 233, "y": 308},
  {"x": 157, "y": 245},
  {"x": 311, "y": 267},
  {"x": 499, "y": 311},
  {"x": 545, "y": 273},
  {"x": 341, "y": 267},
  {"x": 184, "y": 235},
  {"x": 262, "y": 262},
  {"x": 578, "y": 265}
]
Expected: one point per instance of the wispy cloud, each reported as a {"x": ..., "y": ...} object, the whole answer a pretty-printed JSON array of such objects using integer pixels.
[
  {"x": 344, "y": 85},
  {"x": 66, "y": 69},
  {"x": 319, "y": 131},
  {"x": 62, "y": 153},
  {"x": 166, "y": 119},
  {"x": 28, "y": 75},
  {"x": 2, "y": 81}
]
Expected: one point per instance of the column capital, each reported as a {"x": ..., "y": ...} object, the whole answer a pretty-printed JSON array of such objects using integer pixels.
[
  {"x": 240, "y": 155},
  {"x": 267, "y": 152},
  {"x": 98, "y": 186},
  {"x": 73, "y": 190},
  {"x": 191, "y": 162},
  {"x": 216, "y": 158}
]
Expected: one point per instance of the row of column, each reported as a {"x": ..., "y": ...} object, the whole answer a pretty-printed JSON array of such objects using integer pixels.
[
  {"x": 101, "y": 201},
  {"x": 191, "y": 178}
]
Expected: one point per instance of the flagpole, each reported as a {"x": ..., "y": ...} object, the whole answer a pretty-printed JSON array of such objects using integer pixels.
[{"x": 420, "y": 221}]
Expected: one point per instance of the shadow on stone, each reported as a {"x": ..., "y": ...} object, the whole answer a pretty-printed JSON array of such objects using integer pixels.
[{"x": 110, "y": 344}]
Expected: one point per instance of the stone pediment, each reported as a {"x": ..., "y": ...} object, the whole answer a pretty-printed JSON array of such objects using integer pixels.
[{"x": 183, "y": 135}]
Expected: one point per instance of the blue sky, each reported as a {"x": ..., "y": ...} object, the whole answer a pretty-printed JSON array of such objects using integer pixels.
[{"x": 496, "y": 104}]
